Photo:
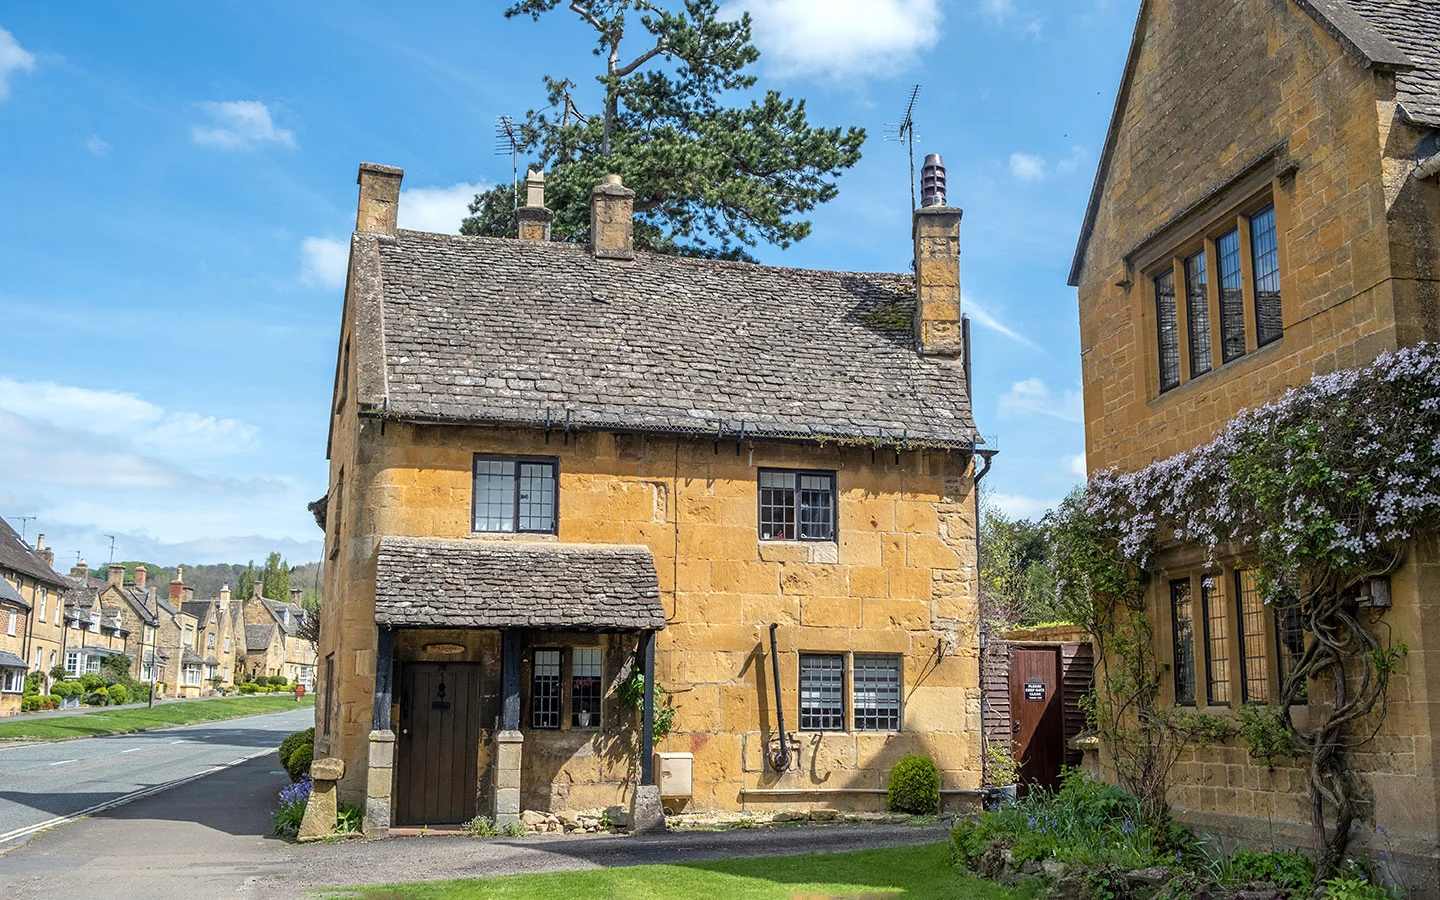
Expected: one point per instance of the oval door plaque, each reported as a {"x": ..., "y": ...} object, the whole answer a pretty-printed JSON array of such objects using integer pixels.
[{"x": 444, "y": 649}]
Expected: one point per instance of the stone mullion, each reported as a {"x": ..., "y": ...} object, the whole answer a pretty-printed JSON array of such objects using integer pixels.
[
  {"x": 1182, "y": 316},
  {"x": 1212, "y": 292}
]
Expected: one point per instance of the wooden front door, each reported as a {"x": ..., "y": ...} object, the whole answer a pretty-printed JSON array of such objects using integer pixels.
[
  {"x": 439, "y": 743},
  {"x": 1037, "y": 716}
]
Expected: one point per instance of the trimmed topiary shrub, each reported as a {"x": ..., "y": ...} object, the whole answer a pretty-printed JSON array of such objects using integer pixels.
[
  {"x": 293, "y": 741},
  {"x": 118, "y": 694},
  {"x": 91, "y": 681},
  {"x": 278, "y": 680},
  {"x": 67, "y": 688},
  {"x": 298, "y": 765},
  {"x": 915, "y": 786}
]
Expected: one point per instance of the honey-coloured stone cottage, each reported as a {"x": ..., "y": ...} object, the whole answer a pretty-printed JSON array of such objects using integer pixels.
[
  {"x": 1267, "y": 209},
  {"x": 558, "y": 471}
]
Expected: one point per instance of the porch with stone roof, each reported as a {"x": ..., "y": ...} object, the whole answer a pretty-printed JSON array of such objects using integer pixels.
[{"x": 466, "y": 610}]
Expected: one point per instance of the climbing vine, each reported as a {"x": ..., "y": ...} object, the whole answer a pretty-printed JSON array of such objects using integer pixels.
[{"x": 1321, "y": 489}]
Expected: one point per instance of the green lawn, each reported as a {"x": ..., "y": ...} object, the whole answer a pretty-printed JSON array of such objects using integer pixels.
[
  {"x": 120, "y": 721},
  {"x": 905, "y": 873}
]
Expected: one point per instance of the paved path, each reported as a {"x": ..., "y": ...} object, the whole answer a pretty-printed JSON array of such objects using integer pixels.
[
  {"x": 210, "y": 838},
  {"x": 43, "y": 782}
]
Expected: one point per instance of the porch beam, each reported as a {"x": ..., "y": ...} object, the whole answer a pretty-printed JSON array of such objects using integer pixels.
[
  {"x": 510, "y": 679},
  {"x": 384, "y": 678},
  {"x": 647, "y": 716}
]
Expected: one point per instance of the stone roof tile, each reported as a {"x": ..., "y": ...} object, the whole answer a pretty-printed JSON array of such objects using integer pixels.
[{"x": 434, "y": 582}]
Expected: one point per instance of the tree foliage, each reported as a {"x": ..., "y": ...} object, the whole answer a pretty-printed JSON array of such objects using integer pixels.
[
  {"x": 275, "y": 578},
  {"x": 1017, "y": 576},
  {"x": 712, "y": 175}
]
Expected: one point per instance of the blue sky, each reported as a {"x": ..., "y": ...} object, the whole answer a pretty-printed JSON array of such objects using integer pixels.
[{"x": 179, "y": 180}]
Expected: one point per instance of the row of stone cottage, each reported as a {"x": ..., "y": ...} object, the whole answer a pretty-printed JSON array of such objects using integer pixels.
[{"x": 188, "y": 647}]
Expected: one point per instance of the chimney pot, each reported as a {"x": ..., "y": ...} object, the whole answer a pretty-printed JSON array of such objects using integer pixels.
[
  {"x": 224, "y": 593},
  {"x": 177, "y": 584},
  {"x": 533, "y": 219},
  {"x": 936, "y": 231},
  {"x": 40, "y": 542},
  {"x": 80, "y": 570},
  {"x": 612, "y": 219},
  {"x": 116, "y": 574},
  {"x": 379, "y": 198}
]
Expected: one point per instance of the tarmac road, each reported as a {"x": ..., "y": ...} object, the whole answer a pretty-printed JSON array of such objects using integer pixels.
[{"x": 42, "y": 784}]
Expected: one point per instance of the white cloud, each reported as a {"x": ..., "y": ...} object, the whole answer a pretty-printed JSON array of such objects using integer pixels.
[
  {"x": 840, "y": 38},
  {"x": 1075, "y": 465},
  {"x": 997, "y": 10},
  {"x": 1027, "y": 166},
  {"x": 983, "y": 317},
  {"x": 323, "y": 262},
  {"x": 1033, "y": 397},
  {"x": 438, "y": 209},
  {"x": 97, "y": 146},
  {"x": 237, "y": 124},
  {"x": 1018, "y": 506},
  {"x": 13, "y": 58}
]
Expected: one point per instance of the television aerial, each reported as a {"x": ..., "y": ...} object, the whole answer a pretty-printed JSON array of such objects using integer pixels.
[
  {"x": 507, "y": 141},
  {"x": 904, "y": 132}
]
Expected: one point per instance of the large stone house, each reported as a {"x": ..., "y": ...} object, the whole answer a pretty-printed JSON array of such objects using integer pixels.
[
  {"x": 35, "y": 594},
  {"x": 275, "y": 644},
  {"x": 1266, "y": 209},
  {"x": 551, "y": 464}
]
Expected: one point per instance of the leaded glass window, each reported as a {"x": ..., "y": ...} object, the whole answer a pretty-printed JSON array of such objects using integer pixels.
[
  {"x": 545, "y": 690},
  {"x": 877, "y": 693},
  {"x": 1197, "y": 314},
  {"x": 1265, "y": 257},
  {"x": 1168, "y": 331},
  {"x": 797, "y": 505},
  {"x": 585, "y": 687},
  {"x": 1232, "y": 296},
  {"x": 822, "y": 692},
  {"x": 1183, "y": 616},
  {"x": 1255, "y": 686},
  {"x": 515, "y": 495},
  {"x": 1217, "y": 646},
  {"x": 1290, "y": 639}
]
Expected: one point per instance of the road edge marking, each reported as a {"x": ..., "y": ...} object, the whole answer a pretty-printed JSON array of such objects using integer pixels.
[{"x": 131, "y": 797}]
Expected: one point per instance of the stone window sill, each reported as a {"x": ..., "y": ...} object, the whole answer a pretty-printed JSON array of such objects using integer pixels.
[{"x": 800, "y": 551}]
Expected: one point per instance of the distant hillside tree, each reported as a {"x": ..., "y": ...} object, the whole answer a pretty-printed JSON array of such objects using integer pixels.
[
  {"x": 275, "y": 579},
  {"x": 712, "y": 174},
  {"x": 245, "y": 582}
]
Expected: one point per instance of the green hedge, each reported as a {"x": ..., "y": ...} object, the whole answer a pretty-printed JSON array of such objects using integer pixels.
[
  {"x": 915, "y": 786},
  {"x": 39, "y": 702},
  {"x": 67, "y": 689}
]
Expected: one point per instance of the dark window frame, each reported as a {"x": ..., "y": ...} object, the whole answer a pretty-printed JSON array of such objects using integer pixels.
[
  {"x": 1288, "y": 623},
  {"x": 552, "y": 461},
  {"x": 834, "y": 491},
  {"x": 1167, "y": 346},
  {"x": 599, "y": 695},
  {"x": 1244, "y": 618},
  {"x": 559, "y": 697},
  {"x": 1182, "y": 697},
  {"x": 1230, "y": 329},
  {"x": 1206, "y": 599},
  {"x": 1257, "y": 253},
  {"x": 821, "y": 714},
  {"x": 1198, "y": 342},
  {"x": 863, "y": 722}
]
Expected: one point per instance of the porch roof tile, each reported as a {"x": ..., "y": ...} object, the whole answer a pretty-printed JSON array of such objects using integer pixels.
[{"x": 478, "y": 583}]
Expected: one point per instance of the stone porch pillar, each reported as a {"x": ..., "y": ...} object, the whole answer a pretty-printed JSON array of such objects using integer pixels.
[
  {"x": 380, "y": 776},
  {"x": 508, "y": 740},
  {"x": 646, "y": 814}
]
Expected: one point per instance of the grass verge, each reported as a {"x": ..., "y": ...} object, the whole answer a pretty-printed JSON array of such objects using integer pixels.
[
  {"x": 122, "y": 721},
  {"x": 911, "y": 873}
]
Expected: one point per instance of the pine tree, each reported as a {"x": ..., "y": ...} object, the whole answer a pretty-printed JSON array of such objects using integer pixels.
[
  {"x": 275, "y": 579},
  {"x": 710, "y": 179},
  {"x": 245, "y": 584}
]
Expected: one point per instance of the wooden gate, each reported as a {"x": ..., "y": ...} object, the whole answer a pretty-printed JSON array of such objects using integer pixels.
[
  {"x": 439, "y": 741},
  {"x": 1036, "y": 711}
]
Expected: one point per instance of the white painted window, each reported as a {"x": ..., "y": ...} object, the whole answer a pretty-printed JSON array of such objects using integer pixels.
[
  {"x": 72, "y": 662},
  {"x": 92, "y": 664},
  {"x": 192, "y": 675},
  {"x": 10, "y": 625},
  {"x": 42, "y": 595},
  {"x": 227, "y": 645},
  {"x": 14, "y": 681}
]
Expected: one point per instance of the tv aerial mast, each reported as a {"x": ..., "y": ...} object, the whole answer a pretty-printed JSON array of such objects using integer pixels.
[
  {"x": 904, "y": 132},
  {"x": 507, "y": 141}
]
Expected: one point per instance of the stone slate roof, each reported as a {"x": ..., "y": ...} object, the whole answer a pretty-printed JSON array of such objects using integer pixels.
[
  {"x": 454, "y": 328},
  {"x": 189, "y": 657},
  {"x": 139, "y": 600},
  {"x": 17, "y": 556},
  {"x": 200, "y": 609},
  {"x": 433, "y": 582},
  {"x": 9, "y": 660},
  {"x": 8, "y": 594},
  {"x": 296, "y": 614},
  {"x": 1414, "y": 27},
  {"x": 257, "y": 637}
]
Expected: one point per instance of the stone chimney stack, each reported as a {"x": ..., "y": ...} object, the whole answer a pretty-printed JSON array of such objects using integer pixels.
[
  {"x": 534, "y": 219},
  {"x": 936, "y": 230},
  {"x": 80, "y": 570},
  {"x": 224, "y": 594},
  {"x": 295, "y": 595},
  {"x": 115, "y": 575},
  {"x": 257, "y": 591},
  {"x": 177, "y": 585},
  {"x": 379, "y": 198},
  {"x": 612, "y": 225},
  {"x": 44, "y": 552},
  {"x": 140, "y": 576}
]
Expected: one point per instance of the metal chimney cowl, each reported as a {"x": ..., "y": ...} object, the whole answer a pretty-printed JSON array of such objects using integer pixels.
[{"x": 932, "y": 181}]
